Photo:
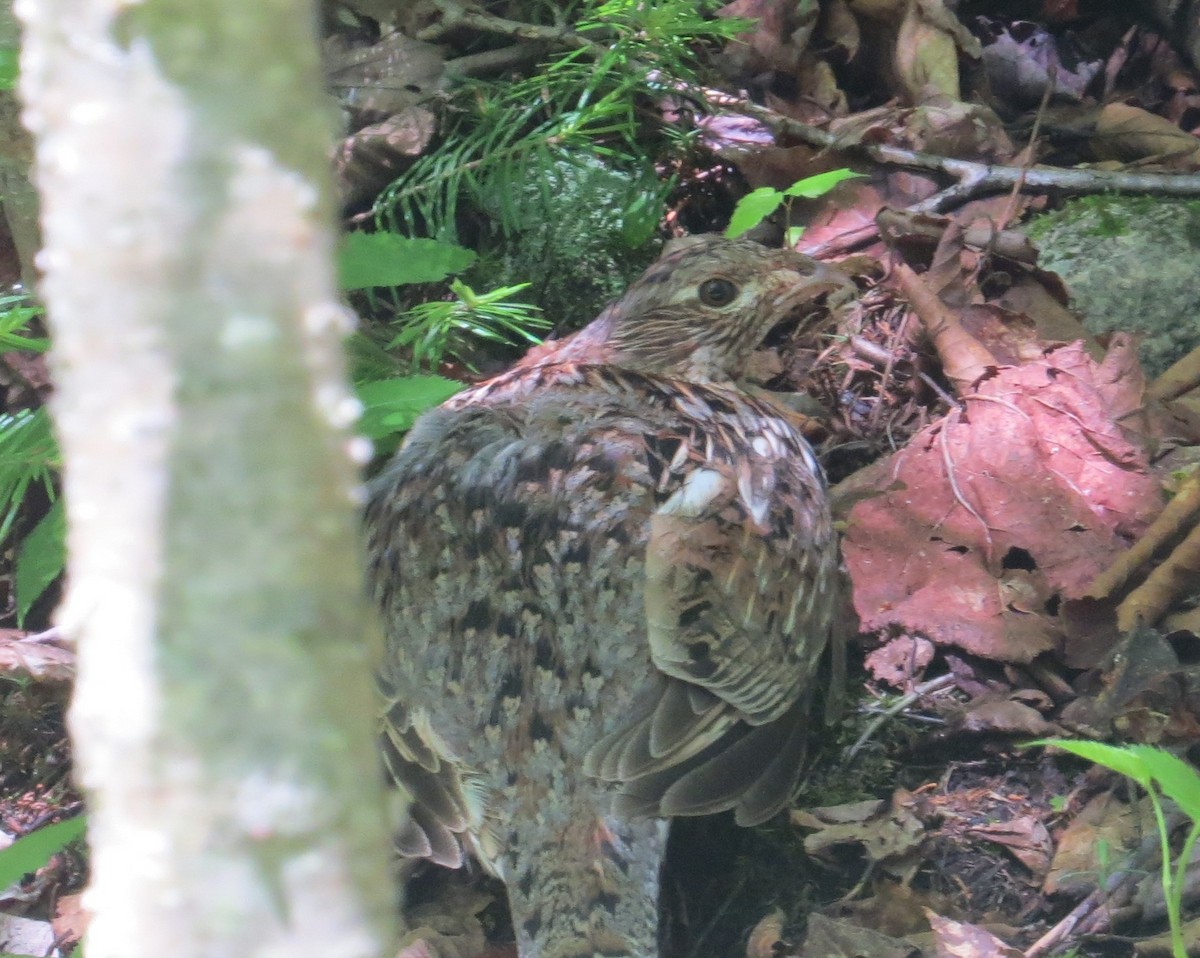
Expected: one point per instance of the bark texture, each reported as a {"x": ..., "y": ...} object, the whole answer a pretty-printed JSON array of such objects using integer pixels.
[{"x": 223, "y": 717}]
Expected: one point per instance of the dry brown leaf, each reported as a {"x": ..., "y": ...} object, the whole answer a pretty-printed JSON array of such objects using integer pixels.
[
  {"x": 1025, "y": 837},
  {"x": 780, "y": 167},
  {"x": 387, "y": 77},
  {"x": 832, "y": 938},
  {"x": 882, "y": 10},
  {"x": 926, "y": 55},
  {"x": 890, "y": 836},
  {"x": 1127, "y": 133},
  {"x": 945, "y": 128},
  {"x": 956, "y": 129},
  {"x": 368, "y": 160},
  {"x": 817, "y": 95},
  {"x": 1089, "y": 631},
  {"x": 1022, "y": 59},
  {"x": 901, "y": 660},
  {"x": 40, "y": 656},
  {"x": 851, "y": 813},
  {"x": 1104, "y": 823},
  {"x": 1136, "y": 689},
  {"x": 1041, "y": 297},
  {"x": 964, "y": 360},
  {"x": 1034, "y": 482},
  {"x": 71, "y": 919},
  {"x": 782, "y": 29},
  {"x": 766, "y": 935},
  {"x": 1011, "y": 338},
  {"x": 1004, "y": 714},
  {"x": 448, "y": 927},
  {"x": 957, "y": 939},
  {"x": 839, "y": 28},
  {"x": 896, "y": 909}
]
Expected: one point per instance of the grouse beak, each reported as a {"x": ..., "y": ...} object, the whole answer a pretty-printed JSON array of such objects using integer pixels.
[
  {"x": 824, "y": 278},
  {"x": 804, "y": 279}
]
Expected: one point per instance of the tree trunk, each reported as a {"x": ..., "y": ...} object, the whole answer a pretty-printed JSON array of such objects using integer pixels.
[
  {"x": 223, "y": 715},
  {"x": 16, "y": 156}
]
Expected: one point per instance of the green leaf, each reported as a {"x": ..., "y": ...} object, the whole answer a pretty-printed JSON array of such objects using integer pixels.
[
  {"x": 16, "y": 312},
  {"x": 30, "y": 852},
  {"x": 813, "y": 186},
  {"x": 28, "y": 456},
  {"x": 752, "y": 209},
  {"x": 1122, "y": 760},
  {"x": 366, "y": 260},
  {"x": 640, "y": 220},
  {"x": 1178, "y": 780},
  {"x": 40, "y": 559},
  {"x": 8, "y": 68},
  {"x": 432, "y": 331},
  {"x": 391, "y": 406}
]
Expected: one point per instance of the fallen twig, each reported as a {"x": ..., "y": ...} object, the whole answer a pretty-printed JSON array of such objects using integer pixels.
[
  {"x": 1178, "y": 514},
  {"x": 974, "y": 179},
  {"x": 1091, "y": 914},
  {"x": 963, "y": 358},
  {"x": 455, "y": 15},
  {"x": 926, "y": 688},
  {"x": 1182, "y": 377},
  {"x": 1174, "y": 578}
]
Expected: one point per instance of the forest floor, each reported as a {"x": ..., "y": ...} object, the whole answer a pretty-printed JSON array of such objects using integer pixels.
[{"x": 999, "y": 472}]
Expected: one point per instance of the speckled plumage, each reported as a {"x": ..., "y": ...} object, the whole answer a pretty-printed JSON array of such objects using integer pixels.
[{"x": 607, "y": 578}]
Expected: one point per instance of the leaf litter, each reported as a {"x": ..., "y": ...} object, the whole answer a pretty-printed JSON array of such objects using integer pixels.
[{"x": 995, "y": 463}]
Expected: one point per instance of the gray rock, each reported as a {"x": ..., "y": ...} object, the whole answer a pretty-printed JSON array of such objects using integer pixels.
[{"x": 1131, "y": 263}]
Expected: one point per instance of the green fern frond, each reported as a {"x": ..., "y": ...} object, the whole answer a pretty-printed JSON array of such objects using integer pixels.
[
  {"x": 590, "y": 100},
  {"x": 436, "y": 330},
  {"x": 16, "y": 311},
  {"x": 28, "y": 457}
]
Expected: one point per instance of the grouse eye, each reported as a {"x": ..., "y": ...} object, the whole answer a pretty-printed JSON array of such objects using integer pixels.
[{"x": 717, "y": 292}]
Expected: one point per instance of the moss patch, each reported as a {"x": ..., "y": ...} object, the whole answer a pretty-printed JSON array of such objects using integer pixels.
[{"x": 1131, "y": 264}]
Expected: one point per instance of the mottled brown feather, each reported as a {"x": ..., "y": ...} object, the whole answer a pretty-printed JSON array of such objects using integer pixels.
[{"x": 607, "y": 577}]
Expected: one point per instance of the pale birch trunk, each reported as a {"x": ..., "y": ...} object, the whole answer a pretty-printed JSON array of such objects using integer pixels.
[{"x": 223, "y": 715}]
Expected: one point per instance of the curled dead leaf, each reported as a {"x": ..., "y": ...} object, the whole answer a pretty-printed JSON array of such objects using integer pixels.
[
  {"x": 841, "y": 938},
  {"x": 1003, "y": 714},
  {"x": 890, "y": 835},
  {"x": 1127, "y": 133},
  {"x": 1024, "y": 837},
  {"x": 766, "y": 936},
  {"x": 900, "y": 660},
  {"x": 1036, "y": 477},
  {"x": 958, "y": 939},
  {"x": 44, "y": 655},
  {"x": 1104, "y": 823}
]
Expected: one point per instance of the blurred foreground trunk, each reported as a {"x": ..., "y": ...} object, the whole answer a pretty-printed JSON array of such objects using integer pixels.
[{"x": 223, "y": 716}]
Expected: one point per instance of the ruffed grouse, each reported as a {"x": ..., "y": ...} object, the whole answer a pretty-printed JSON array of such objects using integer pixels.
[{"x": 607, "y": 577}]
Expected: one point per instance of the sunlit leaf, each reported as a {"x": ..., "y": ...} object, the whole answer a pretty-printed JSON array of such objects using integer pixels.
[
  {"x": 752, "y": 209},
  {"x": 1122, "y": 760},
  {"x": 813, "y": 186},
  {"x": 366, "y": 260},
  {"x": 30, "y": 852},
  {"x": 390, "y": 406},
  {"x": 8, "y": 67},
  {"x": 1178, "y": 780}
]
